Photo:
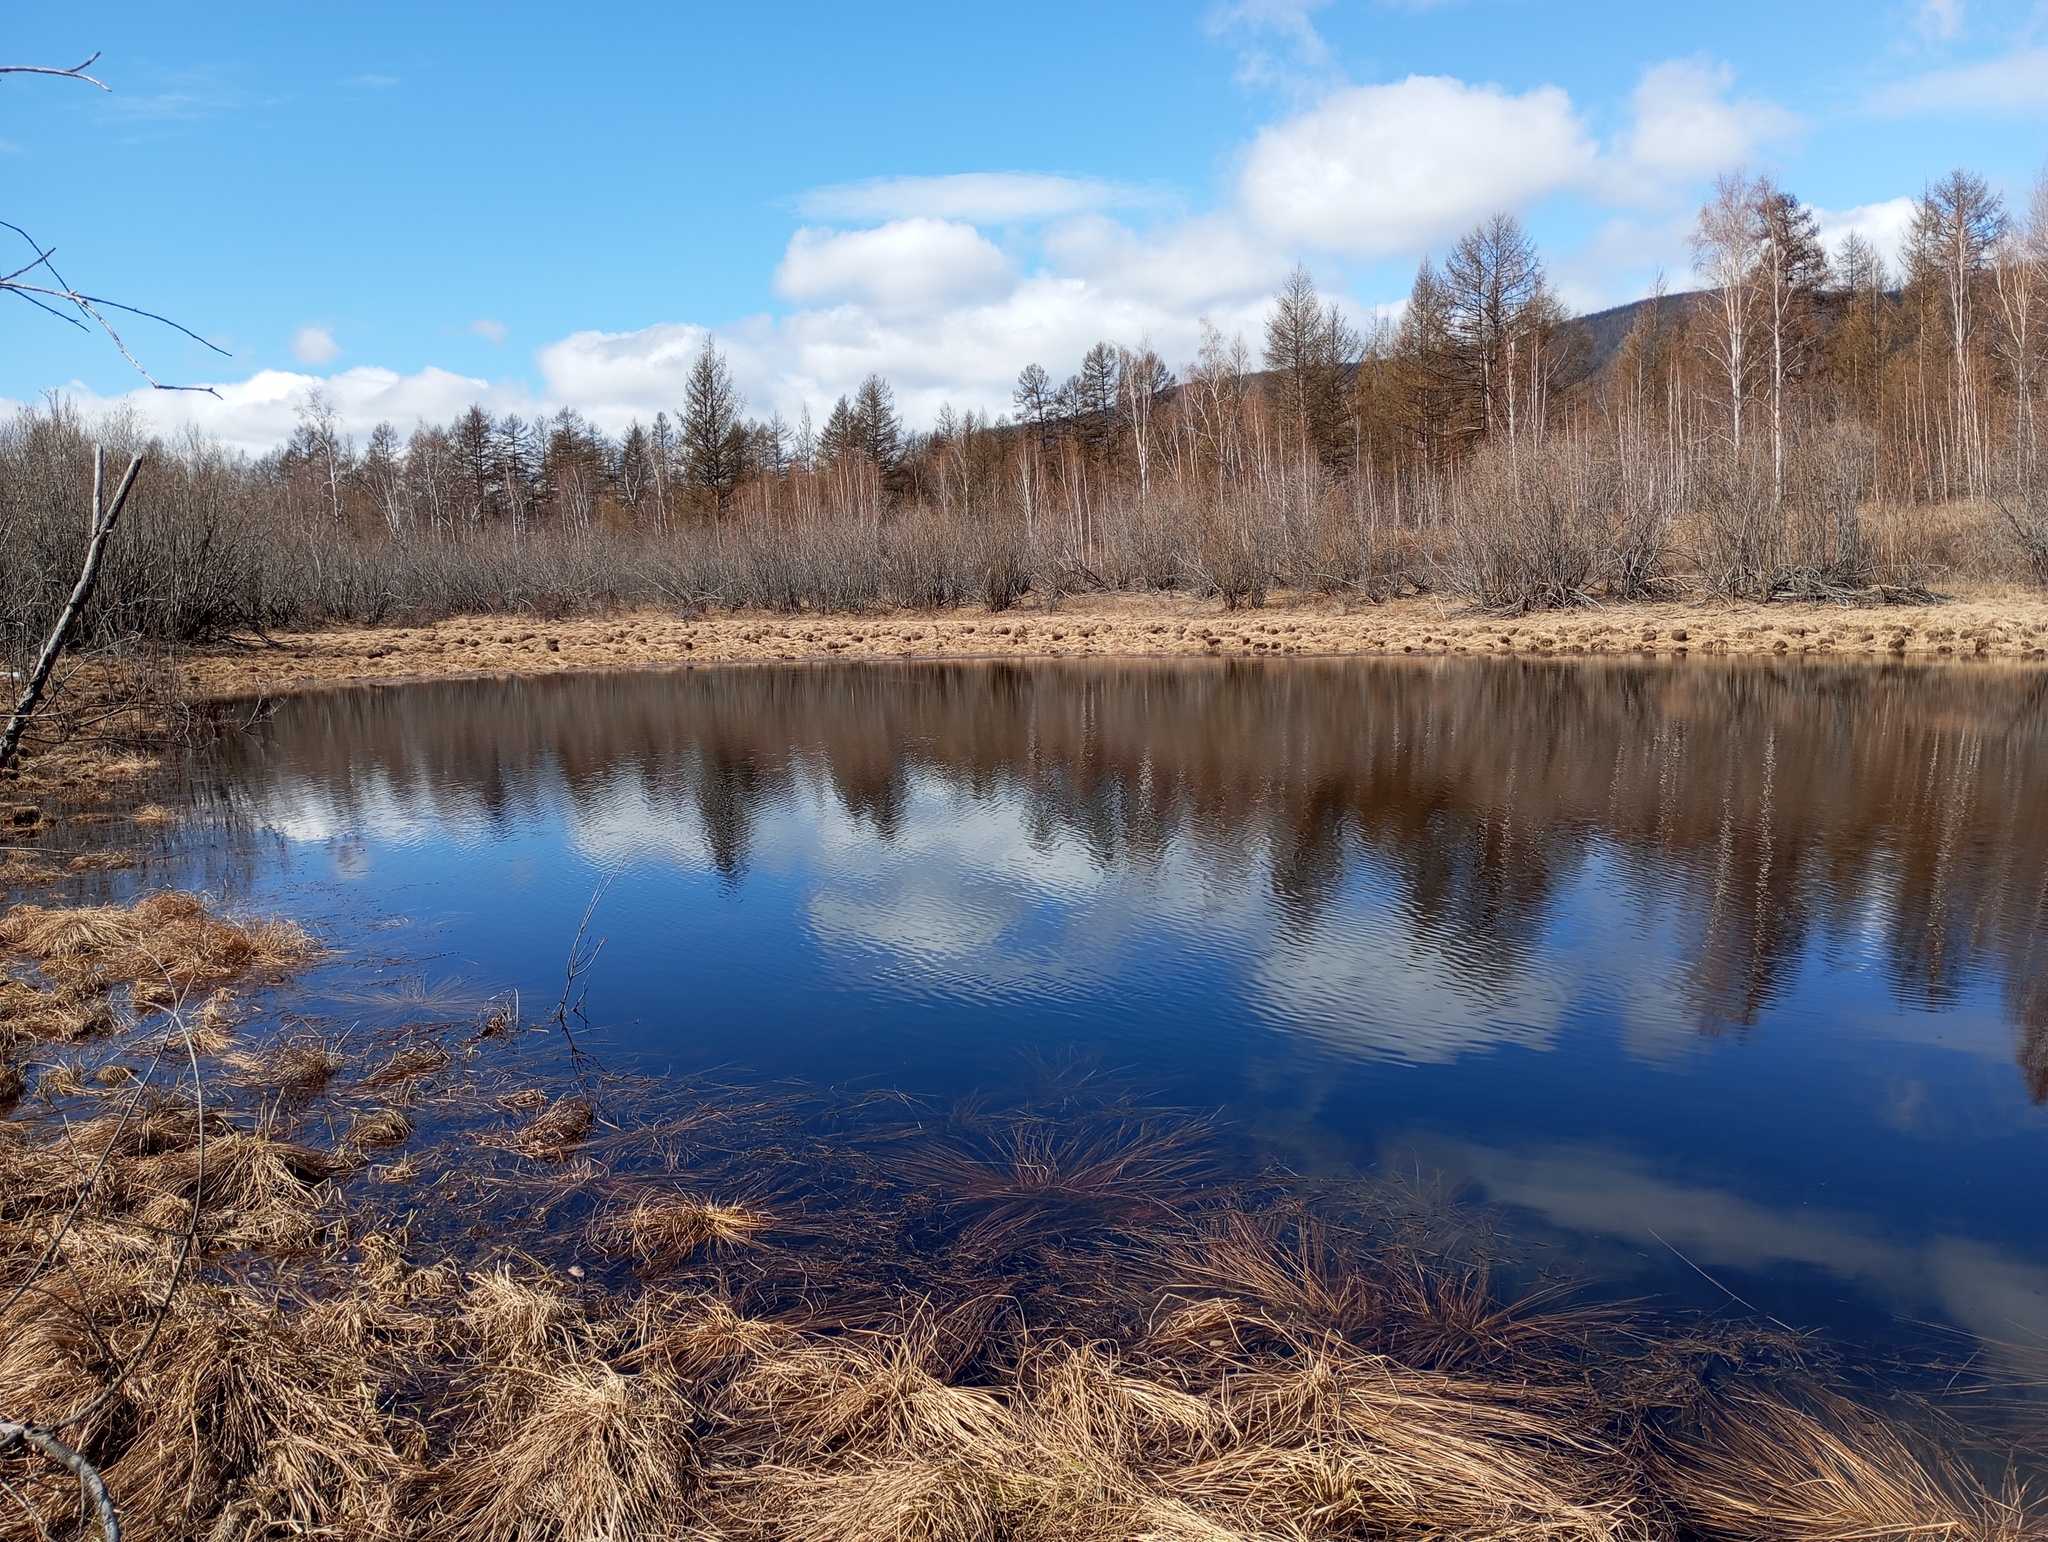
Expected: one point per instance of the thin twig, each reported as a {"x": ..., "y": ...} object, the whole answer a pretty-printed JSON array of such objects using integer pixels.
[{"x": 76, "y": 72}]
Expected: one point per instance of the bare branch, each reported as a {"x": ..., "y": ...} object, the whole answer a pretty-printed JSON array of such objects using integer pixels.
[
  {"x": 76, "y": 72},
  {"x": 104, "y": 517},
  {"x": 41, "y": 296},
  {"x": 89, "y": 1480}
]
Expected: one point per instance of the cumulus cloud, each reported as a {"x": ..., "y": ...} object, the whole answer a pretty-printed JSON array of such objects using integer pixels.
[
  {"x": 607, "y": 374},
  {"x": 1687, "y": 126},
  {"x": 901, "y": 276},
  {"x": 315, "y": 345},
  {"x": 259, "y": 413},
  {"x": 906, "y": 265},
  {"x": 982, "y": 197},
  {"x": 1884, "y": 225},
  {"x": 1375, "y": 171}
]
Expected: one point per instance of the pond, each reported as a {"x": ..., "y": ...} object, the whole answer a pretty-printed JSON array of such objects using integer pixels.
[{"x": 1722, "y": 986}]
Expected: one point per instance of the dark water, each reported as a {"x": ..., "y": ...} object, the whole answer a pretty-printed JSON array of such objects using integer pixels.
[{"x": 1718, "y": 981}]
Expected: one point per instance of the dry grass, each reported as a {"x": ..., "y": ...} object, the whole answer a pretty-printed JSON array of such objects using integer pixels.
[
  {"x": 164, "y": 947},
  {"x": 1035, "y": 1325},
  {"x": 662, "y": 1231}
]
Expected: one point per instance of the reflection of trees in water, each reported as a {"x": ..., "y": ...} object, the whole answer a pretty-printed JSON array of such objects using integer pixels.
[{"x": 1760, "y": 806}]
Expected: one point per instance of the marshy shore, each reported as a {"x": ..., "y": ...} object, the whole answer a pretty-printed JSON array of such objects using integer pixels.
[
  {"x": 417, "y": 1282},
  {"x": 1979, "y": 623}
]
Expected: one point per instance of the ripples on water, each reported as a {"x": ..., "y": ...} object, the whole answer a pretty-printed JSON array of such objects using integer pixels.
[{"x": 1716, "y": 980}]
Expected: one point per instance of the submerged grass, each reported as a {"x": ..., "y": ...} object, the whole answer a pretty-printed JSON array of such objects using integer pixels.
[{"x": 563, "y": 1314}]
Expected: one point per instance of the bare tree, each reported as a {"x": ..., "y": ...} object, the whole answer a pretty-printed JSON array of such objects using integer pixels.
[
  {"x": 1498, "y": 313},
  {"x": 1956, "y": 227},
  {"x": 319, "y": 445},
  {"x": 1143, "y": 382},
  {"x": 1728, "y": 250},
  {"x": 1791, "y": 269},
  {"x": 2019, "y": 272},
  {"x": 105, "y": 515}
]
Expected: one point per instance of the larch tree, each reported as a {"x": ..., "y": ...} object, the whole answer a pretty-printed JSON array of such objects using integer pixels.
[
  {"x": 876, "y": 431},
  {"x": 1310, "y": 355},
  {"x": 1956, "y": 227},
  {"x": 1498, "y": 313},
  {"x": 713, "y": 441},
  {"x": 1791, "y": 271},
  {"x": 1861, "y": 339},
  {"x": 1424, "y": 373}
]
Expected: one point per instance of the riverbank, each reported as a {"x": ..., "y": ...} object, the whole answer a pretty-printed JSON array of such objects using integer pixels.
[{"x": 1990, "y": 623}]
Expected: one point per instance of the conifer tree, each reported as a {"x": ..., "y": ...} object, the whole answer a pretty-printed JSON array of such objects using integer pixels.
[
  {"x": 1311, "y": 354},
  {"x": 714, "y": 443}
]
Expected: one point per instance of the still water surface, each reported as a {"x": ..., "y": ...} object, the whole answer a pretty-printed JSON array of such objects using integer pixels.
[{"x": 1717, "y": 981}]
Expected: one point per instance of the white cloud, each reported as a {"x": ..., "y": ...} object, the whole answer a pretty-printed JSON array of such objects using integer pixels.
[
  {"x": 982, "y": 197},
  {"x": 1884, "y": 225},
  {"x": 606, "y": 373},
  {"x": 904, "y": 266},
  {"x": 1687, "y": 127},
  {"x": 925, "y": 297},
  {"x": 1376, "y": 171},
  {"x": 315, "y": 345},
  {"x": 1192, "y": 266},
  {"x": 259, "y": 413},
  {"x": 1999, "y": 1297},
  {"x": 2014, "y": 86}
]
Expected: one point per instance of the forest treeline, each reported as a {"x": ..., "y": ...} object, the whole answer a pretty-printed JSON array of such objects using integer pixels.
[{"x": 1811, "y": 424}]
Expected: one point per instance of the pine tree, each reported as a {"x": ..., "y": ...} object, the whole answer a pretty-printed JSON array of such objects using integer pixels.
[
  {"x": 1311, "y": 354},
  {"x": 839, "y": 435},
  {"x": 714, "y": 444},
  {"x": 877, "y": 432}
]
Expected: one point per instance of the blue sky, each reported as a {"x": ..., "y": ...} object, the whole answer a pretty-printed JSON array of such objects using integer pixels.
[{"x": 537, "y": 206}]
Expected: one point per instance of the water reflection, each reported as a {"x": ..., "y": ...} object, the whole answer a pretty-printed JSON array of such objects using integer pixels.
[{"x": 1747, "y": 817}]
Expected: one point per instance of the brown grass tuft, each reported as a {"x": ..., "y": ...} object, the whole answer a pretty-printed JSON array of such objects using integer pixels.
[
  {"x": 661, "y": 1232},
  {"x": 1752, "y": 1462},
  {"x": 164, "y": 948}
]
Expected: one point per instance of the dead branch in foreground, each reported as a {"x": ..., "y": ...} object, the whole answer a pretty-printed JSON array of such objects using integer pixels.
[{"x": 104, "y": 517}]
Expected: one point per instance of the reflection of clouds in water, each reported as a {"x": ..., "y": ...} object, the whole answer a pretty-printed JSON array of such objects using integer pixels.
[
  {"x": 633, "y": 823},
  {"x": 1370, "y": 989},
  {"x": 974, "y": 889},
  {"x": 371, "y": 807},
  {"x": 969, "y": 894},
  {"x": 1601, "y": 1193}
]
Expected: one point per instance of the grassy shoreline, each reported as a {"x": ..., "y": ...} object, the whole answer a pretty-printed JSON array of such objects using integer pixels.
[
  {"x": 417, "y": 1283},
  {"x": 1983, "y": 624}
]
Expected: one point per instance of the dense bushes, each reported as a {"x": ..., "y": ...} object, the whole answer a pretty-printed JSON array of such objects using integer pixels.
[{"x": 215, "y": 545}]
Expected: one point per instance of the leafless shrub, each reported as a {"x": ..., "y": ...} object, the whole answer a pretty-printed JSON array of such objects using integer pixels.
[{"x": 1532, "y": 523}]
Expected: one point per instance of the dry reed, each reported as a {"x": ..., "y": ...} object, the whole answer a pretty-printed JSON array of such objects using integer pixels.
[{"x": 1045, "y": 1322}]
